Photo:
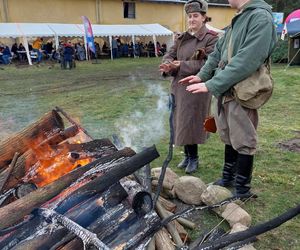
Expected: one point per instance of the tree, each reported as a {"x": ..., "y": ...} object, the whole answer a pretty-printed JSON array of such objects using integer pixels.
[{"x": 285, "y": 6}]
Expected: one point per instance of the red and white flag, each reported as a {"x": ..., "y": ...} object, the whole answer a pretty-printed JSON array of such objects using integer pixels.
[{"x": 284, "y": 31}]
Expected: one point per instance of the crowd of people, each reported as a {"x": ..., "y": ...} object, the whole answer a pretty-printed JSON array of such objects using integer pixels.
[
  {"x": 39, "y": 50},
  {"x": 138, "y": 49}
]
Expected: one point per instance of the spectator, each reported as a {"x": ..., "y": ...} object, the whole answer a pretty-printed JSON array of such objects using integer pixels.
[
  {"x": 6, "y": 55},
  {"x": 37, "y": 47}
]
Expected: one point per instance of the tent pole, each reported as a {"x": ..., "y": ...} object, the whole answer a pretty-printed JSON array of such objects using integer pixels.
[
  {"x": 133, "y": 46},
  {"x": 86, "y": 49},
  {"x": 25, "y": 42},
  {"x": 155, "y": 45},
  {"x": 56, "y": 42},
  {"x": 292, "y": 60},
  {"x": 110, "y": 44}
]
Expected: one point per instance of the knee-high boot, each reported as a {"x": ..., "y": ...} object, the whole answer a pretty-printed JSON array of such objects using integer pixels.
[
  {"x": 244, "y": 176},
  {"x": 229, "y": 168},
  {"x": 186, "y": 159},
  {"x": 193, "y": 162}
]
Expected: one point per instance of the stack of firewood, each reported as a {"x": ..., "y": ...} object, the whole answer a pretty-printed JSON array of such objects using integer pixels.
[{"x": 93, "y": 204}]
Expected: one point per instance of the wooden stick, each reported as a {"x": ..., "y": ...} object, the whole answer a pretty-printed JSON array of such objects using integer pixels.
[
  {"x": 171, "y": 228},
  {"x": 168, "y": 205},
  {"x": 163, "y": 241},
  {"x": 8, "y": 171},
  {"x": 252, "y": 231},
  {"x": 72, "y": 121},
  {"x": 184, "y": 222}
]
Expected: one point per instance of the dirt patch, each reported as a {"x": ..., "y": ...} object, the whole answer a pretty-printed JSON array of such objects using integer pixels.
[{"x": 292, "y": 145}]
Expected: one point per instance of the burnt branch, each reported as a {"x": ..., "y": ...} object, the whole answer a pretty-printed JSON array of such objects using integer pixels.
[
  {"x": 252, "y": 231},
  {"x": 85, "y": 235}
]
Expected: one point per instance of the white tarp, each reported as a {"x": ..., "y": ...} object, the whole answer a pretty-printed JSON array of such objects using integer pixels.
[{"x": 13, "y": 30}]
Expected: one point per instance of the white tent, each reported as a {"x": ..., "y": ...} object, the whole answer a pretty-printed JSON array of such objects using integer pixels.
[{"x": 56, "y": 30}]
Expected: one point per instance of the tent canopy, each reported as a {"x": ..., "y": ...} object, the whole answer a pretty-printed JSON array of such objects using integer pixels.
[
  {"x": 292, "y": 28},
  {"x": 13, "y": 30}
]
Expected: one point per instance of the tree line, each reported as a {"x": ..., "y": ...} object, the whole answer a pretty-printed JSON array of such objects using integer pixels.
[{"x": 285, "y": 6}]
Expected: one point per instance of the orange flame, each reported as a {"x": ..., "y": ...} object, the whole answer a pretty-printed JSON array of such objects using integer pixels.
[{"x": 52, "y": 164}]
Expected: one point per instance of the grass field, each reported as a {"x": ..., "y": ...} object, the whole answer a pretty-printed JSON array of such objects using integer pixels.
[{"x": 128, "y": 97}]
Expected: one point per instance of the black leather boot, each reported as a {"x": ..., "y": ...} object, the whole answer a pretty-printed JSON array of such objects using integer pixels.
[
  {"x": 185, "y": 161},
  {"x": 244, "y": 176},
  {"x": 229, "y": 168},
  {"x": 193, "y": 162}
]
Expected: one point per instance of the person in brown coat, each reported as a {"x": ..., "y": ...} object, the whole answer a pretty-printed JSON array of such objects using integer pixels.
[{"x": 186, "y": 57}]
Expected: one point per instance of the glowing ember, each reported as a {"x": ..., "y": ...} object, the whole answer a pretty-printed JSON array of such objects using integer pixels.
[{"x": 52, "y": 164}]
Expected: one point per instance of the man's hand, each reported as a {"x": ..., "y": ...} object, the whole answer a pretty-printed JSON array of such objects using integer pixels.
[
  {"x": 190, "y": 79},
  {"x": 197, "y": 88}
]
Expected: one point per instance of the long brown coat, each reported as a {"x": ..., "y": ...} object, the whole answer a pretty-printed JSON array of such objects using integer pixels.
[{"x": 190, "y": 109}]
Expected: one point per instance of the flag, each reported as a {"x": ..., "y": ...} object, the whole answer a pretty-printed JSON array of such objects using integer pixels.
[
  {"x": 89, "y": 34},
  {"x": 284, "y": 31}
]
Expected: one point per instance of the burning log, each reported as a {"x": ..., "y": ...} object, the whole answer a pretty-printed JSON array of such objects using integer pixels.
[
  {"x": 60, "y": 136},
  {"x": 37, "y": 132},
  {"x": 96, "y": 148},
  {"x": 16, "y": 210}
]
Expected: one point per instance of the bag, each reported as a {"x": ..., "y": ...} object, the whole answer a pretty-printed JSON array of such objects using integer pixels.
[
  {"x": 210, "y": 124},
  {"x": 256, "y": 90}
]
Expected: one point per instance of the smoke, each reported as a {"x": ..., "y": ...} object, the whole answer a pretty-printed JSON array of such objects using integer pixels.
[{"x": 145, "y": 127}]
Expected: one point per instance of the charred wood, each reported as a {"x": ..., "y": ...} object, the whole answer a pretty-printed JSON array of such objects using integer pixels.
[
  {"x": 139, "y": 199},
  {"x": 60, "y": 136},
  {"x": 85, "y": 235},
  {"x": 37, "y": 132},
  {"x": 16, "y": 210},
  {"x": 4, "y": 176},
  {"x": 121, "y": 170},
  {"x": 103, "y": 227},
  {"x": 58, "y": 109},
  {"x": 252, "y": 231},
  {"x": 33, "y": 234}
]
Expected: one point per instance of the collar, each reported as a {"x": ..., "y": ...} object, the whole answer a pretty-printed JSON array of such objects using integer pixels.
[{"x": 200, "y": 34}]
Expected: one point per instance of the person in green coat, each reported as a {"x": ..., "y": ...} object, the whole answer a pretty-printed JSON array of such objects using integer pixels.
[{"x": 253, "y": 36}]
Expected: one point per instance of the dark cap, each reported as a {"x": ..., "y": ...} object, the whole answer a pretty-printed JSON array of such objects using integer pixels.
[{"x": 196, "y": 6}]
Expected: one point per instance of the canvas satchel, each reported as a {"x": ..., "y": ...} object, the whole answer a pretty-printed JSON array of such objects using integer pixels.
[{"x": 254, "y": 91}]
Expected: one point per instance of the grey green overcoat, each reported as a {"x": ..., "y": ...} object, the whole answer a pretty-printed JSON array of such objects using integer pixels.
[{"x": 190, "y": 109}]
